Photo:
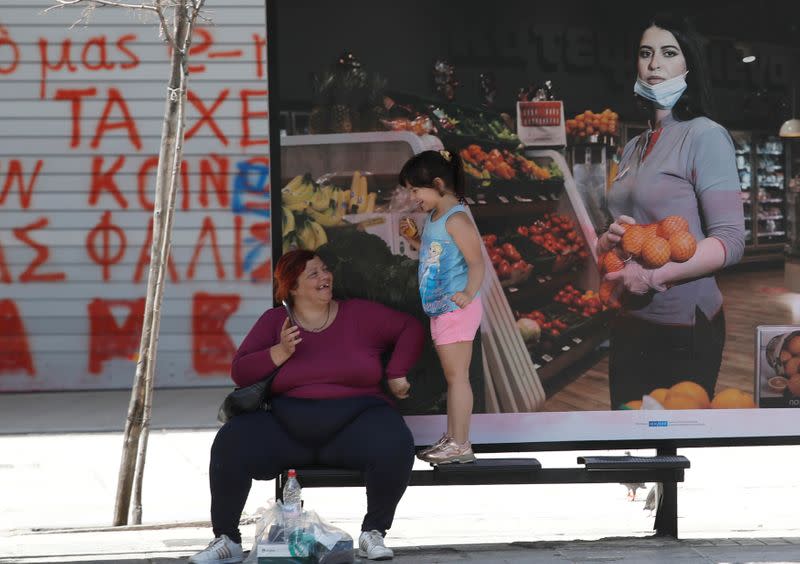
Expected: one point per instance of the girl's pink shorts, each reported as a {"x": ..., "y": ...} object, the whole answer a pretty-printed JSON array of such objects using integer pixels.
[{"x": 457, "y": 326}]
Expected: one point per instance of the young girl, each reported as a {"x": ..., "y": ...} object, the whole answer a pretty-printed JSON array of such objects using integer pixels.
[{"x": 450, "y": 274}]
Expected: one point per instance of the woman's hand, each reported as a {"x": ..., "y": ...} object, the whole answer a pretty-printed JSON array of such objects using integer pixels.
[
  {"x": 399, "y": 387},
  {"x": 613, "y": 236},
  {"x": 290, "y": 337},
  {"x": 637, "y": 279},
  {"x": 461, "y": 299}
]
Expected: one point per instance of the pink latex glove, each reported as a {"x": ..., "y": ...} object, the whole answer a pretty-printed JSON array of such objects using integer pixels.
[{"x": 637, "y": 279}]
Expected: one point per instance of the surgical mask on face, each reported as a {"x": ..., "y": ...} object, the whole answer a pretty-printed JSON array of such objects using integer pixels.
[{"x": 664, "y": 94}]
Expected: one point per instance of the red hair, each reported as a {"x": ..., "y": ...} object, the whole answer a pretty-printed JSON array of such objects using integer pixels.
[{"x": 289, "y": 268}]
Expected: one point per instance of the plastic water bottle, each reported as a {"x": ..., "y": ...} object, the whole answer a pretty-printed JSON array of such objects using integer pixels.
[{"x": 292, "y": 504}]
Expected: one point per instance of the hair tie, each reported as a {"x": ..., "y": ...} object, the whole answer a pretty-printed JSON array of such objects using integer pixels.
[{"x": 446, "y": 155}]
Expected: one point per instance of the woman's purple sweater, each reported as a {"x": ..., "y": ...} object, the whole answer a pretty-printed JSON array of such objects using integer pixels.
[{"x": 342, "y": 361}]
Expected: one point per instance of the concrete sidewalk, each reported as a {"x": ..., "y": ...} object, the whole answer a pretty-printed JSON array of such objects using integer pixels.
[
  {"x": 68, "y": 480},
  {"x": 174, "y": 545}
]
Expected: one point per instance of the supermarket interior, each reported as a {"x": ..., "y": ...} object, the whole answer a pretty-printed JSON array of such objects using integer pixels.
[{"x": 537, "y": 99}]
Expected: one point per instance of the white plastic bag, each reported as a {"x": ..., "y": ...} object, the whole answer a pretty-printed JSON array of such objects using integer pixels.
[{"x": 316, "y": 542}]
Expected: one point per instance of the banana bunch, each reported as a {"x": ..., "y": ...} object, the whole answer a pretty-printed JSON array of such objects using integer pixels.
[
  {"x": 361, "y": 201},
  {"x": 311, "y": 235},
  {"x": 297, "y": 194},
  {"x": 308, "y": 208}
]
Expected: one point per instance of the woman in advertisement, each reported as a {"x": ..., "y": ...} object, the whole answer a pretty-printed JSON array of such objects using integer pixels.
[{"x": 671, "y": 327}]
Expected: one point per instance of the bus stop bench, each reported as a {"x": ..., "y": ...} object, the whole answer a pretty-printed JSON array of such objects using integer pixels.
[{"x": 666, "y": 469}]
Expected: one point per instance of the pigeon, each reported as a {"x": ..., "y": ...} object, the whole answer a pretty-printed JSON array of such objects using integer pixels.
[
  {"x": 653, "y": 498},
  {"x": 632, "y": 487}
]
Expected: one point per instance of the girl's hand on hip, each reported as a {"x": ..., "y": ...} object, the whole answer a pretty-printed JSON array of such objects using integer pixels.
[
  {"x": 399, "y": 387},
  {"x": 637, "y": 279},
  {"x": 461, "y": 299},
  {"x": 613, "y": 236}
]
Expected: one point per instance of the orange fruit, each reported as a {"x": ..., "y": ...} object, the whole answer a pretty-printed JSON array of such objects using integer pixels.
[
  {"x": 682, "y": 246},
  {"x": 650, "y": 230},
  {"x": 633, "y": 239},
  {"x": 693, "y": 389},
  {"x": 659, "y": 394},
  {"x": 794, "y": 385},
  {"x": 633, "y": 404},
  {"x": 671, "y": 225},
  {"x": 731, "y": 398},
  {"x": 793, "y": 346},
  {"x": 606, "y": 293},
  {"x": 655, "y": 252},
  {"x": 612, "y": 262},
  {"x": 677, "y": 400},
  {"x": 785, "y": 355},
  {"x": 792, "y": 366}
]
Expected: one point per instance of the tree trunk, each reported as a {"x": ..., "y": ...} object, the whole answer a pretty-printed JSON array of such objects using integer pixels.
[{"x": 169, "y": 159}]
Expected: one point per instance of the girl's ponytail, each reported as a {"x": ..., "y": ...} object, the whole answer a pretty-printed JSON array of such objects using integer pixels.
[{"x": 459, "y": 176}]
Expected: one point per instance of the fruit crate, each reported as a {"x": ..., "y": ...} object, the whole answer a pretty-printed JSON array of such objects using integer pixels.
[{"x": 578, "y": 327}]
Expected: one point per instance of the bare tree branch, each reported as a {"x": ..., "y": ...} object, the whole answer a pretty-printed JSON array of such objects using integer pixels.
[
  {"x": 164, "y": 25},
  {"x": 114, "y": 3}
]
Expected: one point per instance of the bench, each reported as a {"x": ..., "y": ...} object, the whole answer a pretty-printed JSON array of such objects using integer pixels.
[{"x": 665, "y": 467}]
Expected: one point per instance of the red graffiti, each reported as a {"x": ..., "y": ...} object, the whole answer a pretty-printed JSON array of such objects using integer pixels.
[
  {"x": 144, "y": 258},
  {"x": 115, "y": 98},
  {"x": 5, "y": 273},
  {"x": 246, "y": 140},
  {"x": 7, "y": 43},
  {"x": 15, "y": 173},
  {"x": 94, "y": 56},
  {"x": 100, "y": 45},
  {"x": 104, "y": 181},
  {"x": 123, "y": 48},
  {"x": 207, "y": 115},
  {"x": 106, "y": 256},
  {"x": 15, "y": 354},
  {"x": 45, "y": 65},
  {"x": 76, "y": 97},
  {"x": 202, "y": 40},
  {"x": 208, "y": 230},
  {"x": 212, "y": 347},
  {"x": 260, "y": 46},
  {"x": 218, "y": 180},
  {"x": 107, "y": 338},
  {"x": 42, "y": 254}
]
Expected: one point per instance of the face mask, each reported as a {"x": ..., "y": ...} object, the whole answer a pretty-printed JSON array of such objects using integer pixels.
[{"x": 664, "y": 94}]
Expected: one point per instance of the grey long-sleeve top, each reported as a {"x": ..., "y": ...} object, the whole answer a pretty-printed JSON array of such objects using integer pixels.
[{"x": 689, "y": 171}]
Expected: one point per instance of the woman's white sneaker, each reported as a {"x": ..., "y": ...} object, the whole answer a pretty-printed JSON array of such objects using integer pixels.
[
  {"x": 221, "y": 550},
  {"x": 370, "y": 546}
]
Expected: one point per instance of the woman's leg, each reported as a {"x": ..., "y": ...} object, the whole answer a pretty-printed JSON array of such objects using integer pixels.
[
  {"x": 455, "y": 359},
  {"x": 248, "y": 447},
  {"x": 378, "y": 443}
]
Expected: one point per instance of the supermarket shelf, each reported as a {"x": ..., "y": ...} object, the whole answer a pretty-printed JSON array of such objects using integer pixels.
[
  {"x": 773, "y": 234},
  {"x": 493, "y": 210},
  {"x": 574, "y": 354},
  {"x": 536, "y": 289},
  {"x": 771, "y": 201}
]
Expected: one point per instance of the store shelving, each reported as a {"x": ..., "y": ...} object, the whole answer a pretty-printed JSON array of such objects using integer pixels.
[{"x": 760, "y": 161}]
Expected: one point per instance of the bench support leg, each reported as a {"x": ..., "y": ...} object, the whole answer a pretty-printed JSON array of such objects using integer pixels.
[
  {"x": 279, "y": 488},
  {"x": 666, "y": 522}
]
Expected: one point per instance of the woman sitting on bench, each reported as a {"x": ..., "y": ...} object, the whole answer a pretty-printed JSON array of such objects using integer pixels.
[{"x": 328, "y": 407}]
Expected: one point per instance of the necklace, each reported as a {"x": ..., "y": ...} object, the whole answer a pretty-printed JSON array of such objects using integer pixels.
[{"x": 324, "y": 323}]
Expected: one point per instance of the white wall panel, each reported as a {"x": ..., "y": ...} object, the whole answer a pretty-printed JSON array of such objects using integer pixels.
[{"x": 78, "y": 141}]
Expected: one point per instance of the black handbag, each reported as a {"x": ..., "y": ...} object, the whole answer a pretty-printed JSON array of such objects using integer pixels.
[{"x": 247, "y": 399}]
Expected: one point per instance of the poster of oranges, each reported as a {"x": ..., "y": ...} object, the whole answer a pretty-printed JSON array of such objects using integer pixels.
[{"x": 778, "y": 365}]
